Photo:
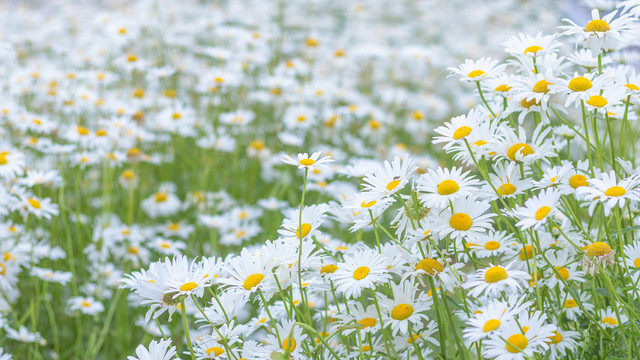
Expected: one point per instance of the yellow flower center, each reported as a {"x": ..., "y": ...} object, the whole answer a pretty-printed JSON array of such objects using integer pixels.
[
  {"x": 516, "y": 343},
  {"x": 368, "y": 204},
  {"x": 495, "y": 274},
  {"x": 3, "y": 157},
  {"x": 506, "y": 189},
  {"x": 461, "y": 132},
  {"x": 217, "y": 351},
  {"x": 430, "y": 266},
  {"x": 570, "y": 303},
  {"x": 392, "y": 184},
  {"x": 636, "y": 263},
  {"x": 289, "y": 344},
  {"x": 563, "y": 271},
  {"x": 578, "y": 180},
  {"x": 527, "y": 252},
  {"x": 402, "y": 311},
  {"x": 448, "y": 187},
  {"x": 161, "y": 197},
  {"x": 632, "y": 87},
  {"x": 307, "y": 162},
  {"x": 556, "y": 338},
  {"x": 580, "y": 83},
  {"x": 615, "y": 191},
  {"x": 532, "y": 49},
  {"x": 361, "y": 273},
  {"x": 475, "y": 73},
  {"x": 328, "y": 269},
  {"x": 82, "y": 130},
  {"x": 460, "y": 221},
  {"x": 492, "y": 245},
  {"x": 367, "y": 322},
  {"x": 609, "y": 320},
  {"x": 597, "y": 25},
  {"x": 85, "y": 303},
  {"x": 598, "y": 248},
  {"x": 34, "y": 203},
  {"x": 542, "y": 212},
  {"x": 597, "y": 101},
  {"x": 188, "y": 286},
  {"x": 527, "y": 104},
  {"x": 491, "y": 325},
  {"x": 503, "y": 88},
  {"x": 252, "y": 281},
  {"x": 541, "y": 87},
  {"x": 366, "y": 348},
  {"x": 306, "y": 228},
  {"x": 524, "y": 149}
]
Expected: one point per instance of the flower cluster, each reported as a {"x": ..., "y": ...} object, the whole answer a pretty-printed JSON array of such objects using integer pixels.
[{"x": 305, "y": 180}]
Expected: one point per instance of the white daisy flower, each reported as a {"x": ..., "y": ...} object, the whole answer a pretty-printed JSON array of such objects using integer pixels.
[
  {"x": 475, "y": 71},
  {"x": 439, "y": 187},
  {"x": 537, "y": 210},
  {"x": 609, "y": 192},
  {"x": 304, "y": 161},
  {"x": 496, "y": 279},
  {"x": 405, "y": 309},
  {"x": 387, "y": 180},
  {"x": 361, "y": 270},
  {"x": 158, "y": 350},
  {"x": 466, "y": 219}
]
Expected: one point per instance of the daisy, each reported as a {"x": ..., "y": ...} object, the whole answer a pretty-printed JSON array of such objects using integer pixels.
[
  {"x": 292, "y": 339},
  {"x": 534, "y": 90},
  {"x": 515, "y": 147},
  {"x": 492, "y": 244},
  {"x": 552, "y": 176},
  {"x": 537, "y": 210},
  {"x": 359, "y": 271},
  {"x": 40, "y": 208},
  {"x": 564, "y": 268},
  {"x": 475, "y": 71},
  {"x": 86, "y": 305},
  {"x": 158, "y": 350},
  {"x": 609, "y": 192},
  {"x": 514, "y": 343},
  {"x": 487, "y": 320},
  {"x": 303, "y": 226},
  {"x": 579, "y": 87},
  {"x": 248, "y": 273},
  {"x": 575, "y": 178},
  {"x": 480, "y": 142},
  {"x": 606, "y": 100},
  {"x": 455, "y": 131},
  {"x": 184, "y": 279},
  {"x": 495, "y": 279},
  {"x": 563, "y": 343},
  {"x": 366, "y": 319},
  {"x": 387, "y": 180},
  {"x": 531, "y": 46},
  {"x": 601, "y": 34},
  {"x": 609, "y": 319},
  {"x": 439, "y": 187},
  {"x": 570, "y": 305},
  {"x": 405, "y": 309},
  {"x": 466, "y": 219},
  {"x": 307, "y": 162},
  {"x": 598, "y": 253},
  {"x": 162, "y": 203},
  {"x": 506, "y": 181},
  {"x": 586, "y": 59}
]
